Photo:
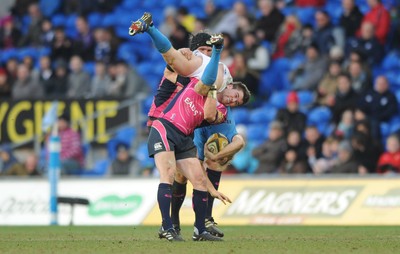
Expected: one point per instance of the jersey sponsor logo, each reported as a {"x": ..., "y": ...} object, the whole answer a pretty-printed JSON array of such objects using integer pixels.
[
  {"x": 192, "y": 106},
  {"x": 158, "y": 146}
]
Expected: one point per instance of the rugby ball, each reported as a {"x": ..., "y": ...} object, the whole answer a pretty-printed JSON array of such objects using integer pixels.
[{"x": 216, "y": 142}]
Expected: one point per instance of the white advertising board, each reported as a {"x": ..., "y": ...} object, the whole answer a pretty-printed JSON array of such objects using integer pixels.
[{"x": 112, "y": 201}]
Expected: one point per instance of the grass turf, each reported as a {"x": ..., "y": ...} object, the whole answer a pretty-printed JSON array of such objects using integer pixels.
[{"x": 244, "y": 239}]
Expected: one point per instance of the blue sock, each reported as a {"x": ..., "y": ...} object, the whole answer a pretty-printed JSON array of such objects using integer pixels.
[
  {"x": 178, "y": 196},
  {"x": 215, "y": 177},
  {"x": 164, "y": 202},
  {"x": 199, "y": 207},
  {"x": 160, "y": 41},
  {"x": 210, "y": 73}
]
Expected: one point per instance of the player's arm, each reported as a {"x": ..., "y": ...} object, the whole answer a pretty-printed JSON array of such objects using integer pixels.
[
  {"x": 227, "y": 152},
  {"x": 216, "y": 194}
]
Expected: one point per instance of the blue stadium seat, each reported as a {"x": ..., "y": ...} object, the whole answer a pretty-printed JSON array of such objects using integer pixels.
[
  {"x": 306, "y": 15},
  {"x": 95, "y": 19},
  {"x": 58, "y": 20},
  {"x": 142, "y": 155},
  {"x": 262, "y": 115},
  {"x": 385, "y": 130},
  {"x": 131, "y": 4},
  {"x": 306, "y": 98},
  {"x": 394, "y": 124},
  {"x": 49, "y": 7},
  {"x": 334, "y": 10},
  {"x": 89, "y": 67},
  {"x": 7, "y": 54},
  {"x": 240, "y": 115},
  {"x": 257, "y": 133},
  {"x": 278, "y": 99},
  {"x": 100, "y": 169},
  {"x": 110, "y": 20},
  {"x": 394, "y": 79},
  {"x": 126, "y": 133},
  {"x": 391, "y": 61},
  {"x": 319, "y": 115},
  {"x": 32, "y": 52},
  {"x": 146, "y": 104}
]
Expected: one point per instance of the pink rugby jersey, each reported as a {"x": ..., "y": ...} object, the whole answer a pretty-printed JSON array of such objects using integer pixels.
[{"x": 186, "y": 110}]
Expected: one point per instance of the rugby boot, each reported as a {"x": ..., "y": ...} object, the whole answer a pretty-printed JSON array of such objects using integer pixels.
[
  {"x": 205, "y": 236},
  {"x": 141, "y": 25},
  {"x": 211, "y": 227},
  {"x": 170, "y": 235}
]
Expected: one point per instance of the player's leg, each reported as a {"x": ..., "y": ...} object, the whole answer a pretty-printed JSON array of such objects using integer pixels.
[
  {"x": 178, "y": 196},
  {"x": 171, "y": 56},
  {"x": 215, "y": 177},
  {"x": 160, "y": 148},
  {"x": 194, "y": 172}
]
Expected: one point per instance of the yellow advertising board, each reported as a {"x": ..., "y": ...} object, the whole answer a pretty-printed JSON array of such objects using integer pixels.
[{"x": 302, "y": 202}]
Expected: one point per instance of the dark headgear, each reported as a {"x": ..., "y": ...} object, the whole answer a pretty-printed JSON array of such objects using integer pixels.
[{"x": 199, "y": 40}]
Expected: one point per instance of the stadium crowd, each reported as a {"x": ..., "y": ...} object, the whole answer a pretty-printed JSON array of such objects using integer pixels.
[{"x": 323, "y": 73}]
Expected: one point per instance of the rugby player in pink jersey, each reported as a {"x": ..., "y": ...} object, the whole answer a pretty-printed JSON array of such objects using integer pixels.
[{"x": 171, "y": 136}]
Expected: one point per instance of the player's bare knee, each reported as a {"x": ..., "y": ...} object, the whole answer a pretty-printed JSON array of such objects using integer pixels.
[{"x": 180, "y": 178}]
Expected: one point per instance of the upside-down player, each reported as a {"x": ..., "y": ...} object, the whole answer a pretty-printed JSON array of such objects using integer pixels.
[{"x": 170, "y": 138}]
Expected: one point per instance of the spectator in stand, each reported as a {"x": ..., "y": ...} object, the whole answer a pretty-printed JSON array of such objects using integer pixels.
[
  {"x": 78, "y": 79},
  {"x": 227, "y": 53},
  {"x": 327, "y": 159},
  {"x": 71, "y": 154},
  {"x": 126, "y": 82},
  {"x": 345, "y": 127},
  {"x": 309, "y": 74},
  {"x": 257, "y": 56},
  {"x": 29, "y": 168},
  {"x": 351, "y": 18},
  {"x": 62, "y": 46},
  {"x": 20, "y": 7},
  {"x": 295, "y": 142},
  {"x": 245, "y": 25},
  {"x": 380, "y": 104},
  {"x": 389, "y": 161},
  {"x": 326, "y": 35},
  {"x": 242, "y": 73},
  {"x": 367, "y": 44},
  {"x": 9, "y": 34},
  {"x": 345, "y": 163},
  {"x": 291, "y": 164},
  {"x": 123, "y": 163},
  {"x": 47, "y": 33},
  {"x": 313, "y": 140},
  {"x": 7, "y": 159},
  {"x": 299, "y": 41},
  {"x": 33, "y": 35},
  {"x": 310, "y": 3},
  {"x": 345, "y": 97},
  {"x": 366, "y": 149},
  {"x": 336, "y": 54},
  {"x": 229, "y": 22},
  {"x": 57, "y": 86},
  {"x": 271, "y": 19},
  {"x": 271, "y": 153},
  {"x": 328, "y": 85},
  {"x": 290, "y": 117},
  {"x": 185, "y": 19},
  {"x": 288, "y": 28},
  {"x": 103, "y": 48},
  {"x": 169, "y": 22},
  {"x": 83, "y": 44},
  {"x": 213, "y": 14},
  {"x": 380, "y": 19},
  {"x": 105, "y": 6},
  {"x": 45, "y": 73},
  {"x": 26, "y": 87},
  {"x": 100, "y": 81},
  {"x": 11, "y": 70},
  {"x": 360, "y": 79},
  {"x": 5, "y": 86},
  {"x": 78, "y": 6},
  {"x": 179, "y": 36}
]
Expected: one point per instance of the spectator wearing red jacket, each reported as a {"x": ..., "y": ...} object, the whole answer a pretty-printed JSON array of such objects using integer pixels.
[
  {"x": 389, "y": 161},
  {"x": 310, "y": 3},
  {"x": 380, "y": 18}
]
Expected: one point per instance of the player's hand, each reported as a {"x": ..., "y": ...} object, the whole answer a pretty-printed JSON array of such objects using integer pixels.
[
  {"x": 186, "y": 53},
  {"x": 221, "y": 196},
  {"x": 209, "y": 155}
]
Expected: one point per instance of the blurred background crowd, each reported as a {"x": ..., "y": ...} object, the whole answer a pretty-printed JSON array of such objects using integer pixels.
[{"x": 324, "y": 74}]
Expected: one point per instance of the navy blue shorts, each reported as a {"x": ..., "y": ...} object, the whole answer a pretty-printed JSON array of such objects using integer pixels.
[{"x": 164, "y": 136}]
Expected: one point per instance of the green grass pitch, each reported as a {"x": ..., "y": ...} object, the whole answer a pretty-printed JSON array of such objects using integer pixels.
[{"x": 238, "y": 239}]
